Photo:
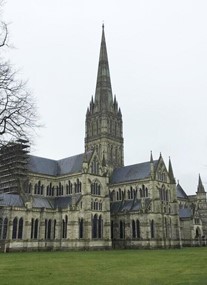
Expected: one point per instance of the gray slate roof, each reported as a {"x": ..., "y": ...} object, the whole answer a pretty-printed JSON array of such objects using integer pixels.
[
  {"x": 128, "y": 205},
  {"x": 131, "y": 172},
  {"x": 11, "y": 200},
  {"x": 180, "y": 192},
  {"x": 51, "y": 167},
  {"x": 7, "y": 199},
  {"x": 185, "y": 212}
]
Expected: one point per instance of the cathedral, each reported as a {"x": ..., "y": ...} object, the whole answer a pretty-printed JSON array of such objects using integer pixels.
[{"x": 92, "y": 200}]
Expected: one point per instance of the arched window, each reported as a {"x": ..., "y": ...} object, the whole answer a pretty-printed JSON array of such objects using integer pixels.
[
  {"x": 152, "y": 228},
  {"x": 81, "y": 228},
  {"x": 122, "y": 229},
  {"x": 95, "y": 226},
  {"x": 100, "y": 227},
  {"x": 20, "y": 229},
  {"x": 41, "y": 189},
  {"x": 64, "y": 227},
  {"x": 36, "y": 229},
  {"x": 54, "y": 229},
  {"x": 133, "y": 229},
  {"x": 138, "y": 229},
  {"x": 32, "y": 229},
  {"x": 5, "y": 227},
  {"x": 46, "y": 228},
  {"x": 14, "y": 231},
  {"x": 49, "y": 229}
]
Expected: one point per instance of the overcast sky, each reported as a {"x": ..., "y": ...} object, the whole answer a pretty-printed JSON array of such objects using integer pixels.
[{"x": 158, "y": 62}]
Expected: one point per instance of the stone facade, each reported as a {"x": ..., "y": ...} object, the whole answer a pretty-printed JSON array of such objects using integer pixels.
[{"x": 93, "y": 201}]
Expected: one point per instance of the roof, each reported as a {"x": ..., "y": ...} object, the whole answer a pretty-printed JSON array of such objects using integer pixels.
[
  {"x": 11, "y": 200},
  {"x": 180, "y": 192},
  {"x": 7, "y": 199},
  {"x": 131, "y": 172},
  {"x": 69, "y": 165},
  {"x": 185, "y": 213},
  {"x": 128, "y": 205}
]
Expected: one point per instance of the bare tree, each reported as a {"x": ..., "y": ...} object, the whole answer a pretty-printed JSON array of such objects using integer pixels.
[{"x": 18, "y": 114}]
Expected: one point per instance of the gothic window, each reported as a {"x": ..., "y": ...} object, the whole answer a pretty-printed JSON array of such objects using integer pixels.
[
  {"x": 100, "y": 223},
  {"x": 69, "y": 188},
  {"x": 14, "y": 230},
  {"x": 122, "y": 229},
  {"x": 50, "y": 190},
  {"x": 81, "y": 228},
  {"x": 5, "y": 227},
  {"x": 38, "y": 188},
  {"x": 95, "y": 188},
  {"x": 94, "y": 226},
  {"x": 138, "y": 229},
  {"x": 54, "y": 229},
  {"x": 164, "y": 194},
  {"x": 143, "y": 192},
  {"x": 152, "y": 229},
  {"x": 46, "y": 228},
  {"x": 133, "y": 229},
  {"x": 64, "y": 227},
  {"x": 36, "y": 229},
  {"x": 32, "y": 228},
  {"x": 41, "y": 189},
  {"x": 49, "y": 229},
  {"x": 20, "y": 229},
  {"x": 100, "y": 206},
  {"x": 78, "y": 186},
  {"x": 95, "y": 166},
  {"x": 119, "y": 194}
]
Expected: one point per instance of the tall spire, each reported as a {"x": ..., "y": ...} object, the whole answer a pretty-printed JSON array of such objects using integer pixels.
[
  {"x": 200, "y": 188},
  {"x": 103, "y": 95},
  {"x": 170, "y": 172}
]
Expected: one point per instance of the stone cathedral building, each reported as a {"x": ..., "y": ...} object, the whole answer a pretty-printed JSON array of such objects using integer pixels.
[{"x": 91, "y": 200}]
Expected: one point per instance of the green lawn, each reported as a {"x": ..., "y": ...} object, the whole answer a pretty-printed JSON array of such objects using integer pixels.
[{"x": 156, "y": 267}]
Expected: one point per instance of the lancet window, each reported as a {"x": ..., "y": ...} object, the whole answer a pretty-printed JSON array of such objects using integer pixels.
[
  {"x": 95, "y": 188},
  {"x": 143, "y": 192},
  {"x": 17, "y": 231},
  {"x": 69, "y": 188},
  {"x": 97, "y": 227},
  {"x": 3, "y": 228},
  {"x": 39, "y": 188},
  {"x": 78, "y": 186}
]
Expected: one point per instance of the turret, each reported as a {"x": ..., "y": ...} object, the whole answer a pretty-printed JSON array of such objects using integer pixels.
[
  {"x": 170, "y": 173},
  {"x": 201, "y": 193}
]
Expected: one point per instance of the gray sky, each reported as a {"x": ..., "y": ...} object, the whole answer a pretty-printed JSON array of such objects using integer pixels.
[{"x": 158, "y": 62}]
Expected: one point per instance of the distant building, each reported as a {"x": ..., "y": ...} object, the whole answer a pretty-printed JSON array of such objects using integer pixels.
[{"x": 91, "y": 200}]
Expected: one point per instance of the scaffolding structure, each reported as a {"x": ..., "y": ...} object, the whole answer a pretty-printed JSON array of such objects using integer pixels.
[{"x": 13, "y": 166}]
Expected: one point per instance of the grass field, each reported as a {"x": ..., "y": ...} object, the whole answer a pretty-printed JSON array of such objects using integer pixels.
[{"x": 155, "y": 267}]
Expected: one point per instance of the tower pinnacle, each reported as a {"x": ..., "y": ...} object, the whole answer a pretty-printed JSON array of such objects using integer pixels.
[{"x": 103, "y": 94}]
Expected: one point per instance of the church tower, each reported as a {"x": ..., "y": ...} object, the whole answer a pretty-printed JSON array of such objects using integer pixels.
[{"x": 103, "y": 118}]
